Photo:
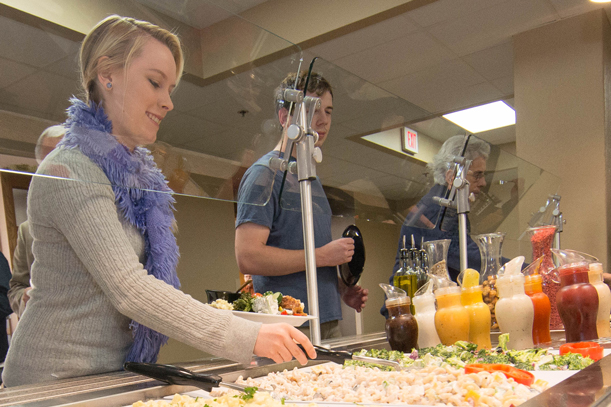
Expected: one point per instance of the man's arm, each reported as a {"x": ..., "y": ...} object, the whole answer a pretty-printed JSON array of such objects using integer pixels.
[
  {"x": 354, "y": 296},
  {"x": 20, "y": 281},
  {"x": 255, "y": 257}
]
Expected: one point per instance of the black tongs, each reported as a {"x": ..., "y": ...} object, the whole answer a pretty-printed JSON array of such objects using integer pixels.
[
  {"x": 180, "y": 376},
  {"x": 341, "y": 356}
]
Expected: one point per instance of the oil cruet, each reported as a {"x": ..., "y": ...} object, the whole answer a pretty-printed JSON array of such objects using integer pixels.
[
  {"x": 401, "y": 326},
  {"x": 490, "y": 247}
]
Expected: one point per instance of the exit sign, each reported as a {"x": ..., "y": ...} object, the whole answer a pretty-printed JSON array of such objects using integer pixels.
[{"x": 409, "y": 140}]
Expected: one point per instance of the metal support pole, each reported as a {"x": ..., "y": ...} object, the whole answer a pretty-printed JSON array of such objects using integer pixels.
[
  {"x": 302, "y": 138},
  {"x": 462, "y": 208},
  {"x": 306, "y": 173},
  {"x": 308, "y": 242},
  {"x": 462, "y": 240}
]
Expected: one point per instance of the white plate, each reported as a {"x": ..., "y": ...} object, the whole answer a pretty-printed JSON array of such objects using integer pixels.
[{"x": 274, "y": 319}]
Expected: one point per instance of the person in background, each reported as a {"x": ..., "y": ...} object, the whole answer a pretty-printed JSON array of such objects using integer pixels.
[
  {"x": 269, "y": 238},
  {"x": 5, "y": 307},
  {"x": 105, "y": 289},
  {"x": 423, "y": 221},
  {"x": 23, "y": 257},
  {"x": 22, "y": 264},
  {"x": 48, "y": 140}
]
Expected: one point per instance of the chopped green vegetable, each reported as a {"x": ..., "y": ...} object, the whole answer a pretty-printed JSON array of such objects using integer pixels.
[
  {"x": 463, "y": 353},
  {"x": 282, "y": 401},
  {"x": 503, "y": 341},
  {"x": 249, "y": 393},
  {"x": 244, "y": 303}
]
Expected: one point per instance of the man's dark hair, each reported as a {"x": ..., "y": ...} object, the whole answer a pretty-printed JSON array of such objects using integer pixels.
[{"x": 317, "y": 85}]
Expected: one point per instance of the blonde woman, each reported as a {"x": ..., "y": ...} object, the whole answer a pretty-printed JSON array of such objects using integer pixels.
[{"x": 105, "y": 270}]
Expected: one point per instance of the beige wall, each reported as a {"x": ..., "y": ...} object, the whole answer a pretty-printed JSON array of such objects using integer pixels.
[
  {"x": 560, "y": 108},
  {"x": 207, "y": 260},
  {"x": 381, "y": 240}
]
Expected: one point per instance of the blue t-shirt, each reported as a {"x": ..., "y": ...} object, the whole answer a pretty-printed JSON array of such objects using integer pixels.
[{"x": 261, "y": 186}]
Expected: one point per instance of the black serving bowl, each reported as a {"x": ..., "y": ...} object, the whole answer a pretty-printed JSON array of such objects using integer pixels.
[{"x": 228, "y": 296}]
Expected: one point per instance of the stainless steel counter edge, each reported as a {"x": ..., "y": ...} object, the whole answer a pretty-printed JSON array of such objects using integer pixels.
[{"x": 124, "y": 388}]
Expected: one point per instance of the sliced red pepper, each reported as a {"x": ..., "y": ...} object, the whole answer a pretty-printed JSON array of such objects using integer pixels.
[
  {"x": 587, "y": 349},
  {"x": 520, "y": 376},
  {"x": 284, "y": 313}
]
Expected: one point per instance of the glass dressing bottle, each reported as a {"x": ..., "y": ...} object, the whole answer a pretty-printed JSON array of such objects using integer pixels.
[
  {"x": 479, "y": 313},
  {"x": 541, "y": 239},
  {"x": 424, "y": 302},
  {"x": 401, "y": 326},
  {"x": 490, "y": 247},
  {"x": 437, "y": 254},
  {"x": 577, "y": 299},
  {"x": 418, "y": 265},
  {"x": 514, "y": 309},
  {"x": 533, "y": 287},
  {"x": 452, "y": 318},
  {"x": 406, "y": 278}
]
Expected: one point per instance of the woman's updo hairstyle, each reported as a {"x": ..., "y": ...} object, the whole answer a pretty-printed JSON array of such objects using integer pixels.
[{"x": 120, "y": 39}]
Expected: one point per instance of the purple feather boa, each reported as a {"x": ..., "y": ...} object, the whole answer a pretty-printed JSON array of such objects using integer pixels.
[{"x": 143, "y": 198}]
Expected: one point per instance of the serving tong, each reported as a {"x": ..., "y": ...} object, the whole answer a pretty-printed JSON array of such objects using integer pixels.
[
  {"x": 183, "y": 377},
  {"x": 341, "y": 356}
]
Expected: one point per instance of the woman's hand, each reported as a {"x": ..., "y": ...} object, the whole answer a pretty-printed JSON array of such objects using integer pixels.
[{"x": 279, "y": 342}]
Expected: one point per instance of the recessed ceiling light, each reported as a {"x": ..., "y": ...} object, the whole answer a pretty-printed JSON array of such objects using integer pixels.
[{"x": 485, "y": 117}]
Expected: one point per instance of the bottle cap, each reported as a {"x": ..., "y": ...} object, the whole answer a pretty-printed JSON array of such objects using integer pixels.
[
  {"x": 533, "y": 283},
  {"x": 447, "y": 290},
  {"x": 395, "y": 302}
]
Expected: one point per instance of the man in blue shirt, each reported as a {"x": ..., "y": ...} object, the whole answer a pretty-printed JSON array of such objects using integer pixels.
[
  {"x": 269, "y": 238},
  {"x": 424, "y": 221}
]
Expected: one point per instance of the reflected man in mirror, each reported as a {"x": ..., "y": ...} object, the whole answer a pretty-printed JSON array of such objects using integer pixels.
[
  {"x": 424, "y": 220},
  {"x": 23, "y": 257},
  {"x": 269, "y": 238}
]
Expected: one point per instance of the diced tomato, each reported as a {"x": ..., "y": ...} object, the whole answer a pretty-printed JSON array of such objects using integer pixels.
[
  {"x": 257, "y": 295},
  {"x": 586, "y": 349},
  {"x": 519, "y": 375},
  {"x": 284, "y": 313}
]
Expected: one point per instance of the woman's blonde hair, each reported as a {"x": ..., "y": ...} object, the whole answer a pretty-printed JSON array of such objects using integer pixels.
[{"x": 120, "y": 39}]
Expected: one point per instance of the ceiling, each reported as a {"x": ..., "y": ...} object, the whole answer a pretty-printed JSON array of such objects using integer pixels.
[{"x": 408, "y": 69}]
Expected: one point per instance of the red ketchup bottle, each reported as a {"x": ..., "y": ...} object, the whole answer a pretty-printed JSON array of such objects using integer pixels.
[{"x": 577, "y": 302}]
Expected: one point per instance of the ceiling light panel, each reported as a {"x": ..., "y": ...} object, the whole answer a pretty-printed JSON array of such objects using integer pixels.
[{"x": 484, "y": 117}]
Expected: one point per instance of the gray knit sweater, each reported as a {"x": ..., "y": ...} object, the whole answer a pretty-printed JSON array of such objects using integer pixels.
[{"x": 89, "y": 283}]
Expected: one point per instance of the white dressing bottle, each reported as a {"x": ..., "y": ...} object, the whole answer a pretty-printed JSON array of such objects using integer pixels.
[{"x": 514, "y": 311}]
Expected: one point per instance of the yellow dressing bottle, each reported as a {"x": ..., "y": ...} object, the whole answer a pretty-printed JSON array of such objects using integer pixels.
[
  {"x": 451, "y": 318},
  {"x": 479, "y": 313}
]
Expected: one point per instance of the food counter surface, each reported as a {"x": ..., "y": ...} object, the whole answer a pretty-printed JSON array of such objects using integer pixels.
[{"x": 590, "y": 387}]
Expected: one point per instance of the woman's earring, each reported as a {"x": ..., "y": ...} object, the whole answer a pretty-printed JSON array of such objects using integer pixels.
[{"x": 109, "y": 85}]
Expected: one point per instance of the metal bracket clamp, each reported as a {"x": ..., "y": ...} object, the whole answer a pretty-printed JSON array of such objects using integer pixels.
[{"x": 459, "y": 200}]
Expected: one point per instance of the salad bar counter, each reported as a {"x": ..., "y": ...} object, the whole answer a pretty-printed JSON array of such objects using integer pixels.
[{"x": 442, "y": 375}]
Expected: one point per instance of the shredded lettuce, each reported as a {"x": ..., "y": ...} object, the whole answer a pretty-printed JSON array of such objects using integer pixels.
[
  {"x": 463, "y": 353},
  {"x": 503, "y": 341}
]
